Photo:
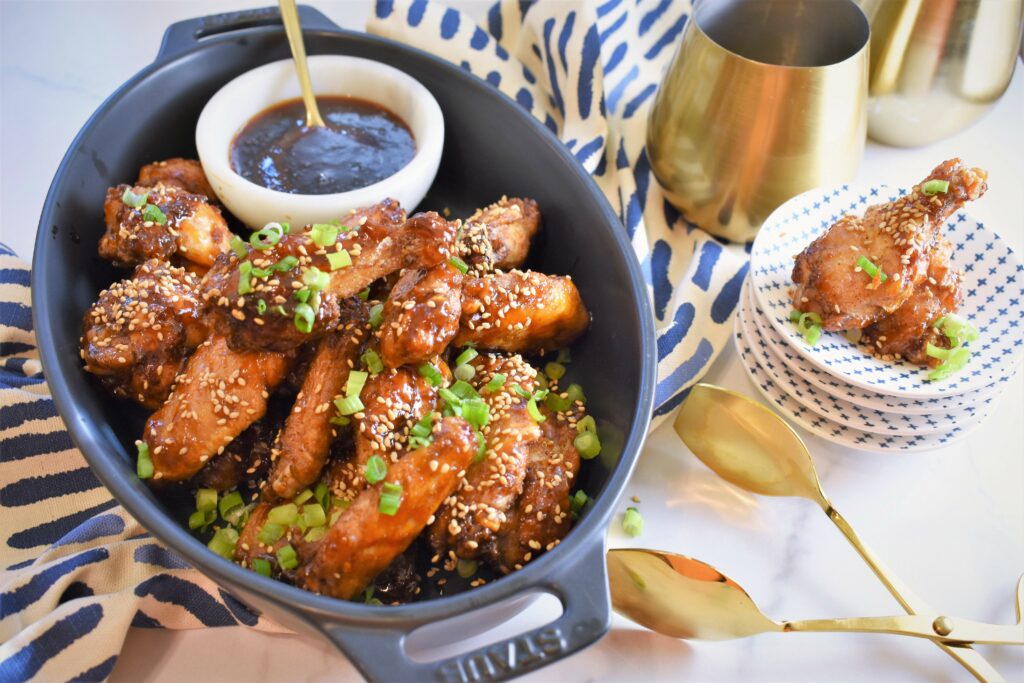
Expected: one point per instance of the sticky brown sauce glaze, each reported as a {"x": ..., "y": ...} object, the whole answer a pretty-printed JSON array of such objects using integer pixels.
[{"x": 362, "y": 144}]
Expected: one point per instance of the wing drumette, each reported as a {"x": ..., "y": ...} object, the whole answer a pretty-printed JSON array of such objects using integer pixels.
[{"x": 186, "y": 174}]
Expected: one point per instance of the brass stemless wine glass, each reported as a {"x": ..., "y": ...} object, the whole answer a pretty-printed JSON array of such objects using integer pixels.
[
  {"x": 763, "y": 100},
  {"x": 938, "y": 65}
]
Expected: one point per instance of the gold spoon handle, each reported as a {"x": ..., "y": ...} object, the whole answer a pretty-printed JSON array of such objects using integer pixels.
[
  {"x": 293, "y": 29},
  {"x": 940, "y": 629},
  {"x": 968, "y": 658}
]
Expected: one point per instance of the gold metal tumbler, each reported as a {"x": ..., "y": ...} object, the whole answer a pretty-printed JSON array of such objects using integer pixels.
[
  {"x": 764, "y": 99},
  {"x": 938, "y": 65}
]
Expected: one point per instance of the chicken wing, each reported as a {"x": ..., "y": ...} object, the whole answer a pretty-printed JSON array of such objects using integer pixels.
[
  {"x": 897, "y": 237},
  {"x": 521, "y": 312},
  {"x": 498, "y": 236},
  {"x": 364, "y": 540},
  {"x": 181, "y": 224},
  {"x": 302, "y": 449},
  {"x": 471, "y": 518},
  {"x": 139, "y": 333},
  {"x": 185, "y": 174},
  {"x": 906, "y": 332},
  {"x": 220, "y": 394},
  {"x": 421, "y": 315},
  {"x": 244, "y": 460}
]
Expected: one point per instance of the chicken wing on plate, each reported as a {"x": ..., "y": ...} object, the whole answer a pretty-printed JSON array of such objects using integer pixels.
[
  {"x": 138, "y": 335},
  {"x": 161, "y": 222},
  {"x": 365, "y": 540},
  {"x": 898, "y": 238},
  {"x": 498, "y": 236},
  {"x": 220, "y": 393},
  {"x": 521, "y": 312},
  {"x": 185, "y": 174},
  {"x": 421, "y": 315}
]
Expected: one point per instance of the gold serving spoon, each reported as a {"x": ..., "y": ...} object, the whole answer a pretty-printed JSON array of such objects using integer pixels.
[
  {"x": 750, "y": 446},
  {"x": 682, "y": 597},
  {"x": 293, "y": 29}
]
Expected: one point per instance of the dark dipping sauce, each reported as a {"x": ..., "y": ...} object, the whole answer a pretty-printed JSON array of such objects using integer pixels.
[{"x": 362, "y": 144}]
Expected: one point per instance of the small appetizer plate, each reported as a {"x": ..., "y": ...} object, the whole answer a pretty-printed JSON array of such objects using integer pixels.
[
  {"x": 993, "y": 287},
  {"x": 837, "y": 409},
  {"x": 950, "y": 408},
  {"x": 819, "y": 425}
]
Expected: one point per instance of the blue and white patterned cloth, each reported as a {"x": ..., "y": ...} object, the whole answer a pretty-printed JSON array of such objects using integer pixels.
[{"x": 78, "y": 571}]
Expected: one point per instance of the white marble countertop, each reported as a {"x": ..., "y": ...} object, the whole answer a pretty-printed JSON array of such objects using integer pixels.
[{"x": 950, "y": 523}]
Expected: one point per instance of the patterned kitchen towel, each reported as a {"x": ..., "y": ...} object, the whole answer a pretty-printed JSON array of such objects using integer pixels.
[{"x": 78, "y": 571}]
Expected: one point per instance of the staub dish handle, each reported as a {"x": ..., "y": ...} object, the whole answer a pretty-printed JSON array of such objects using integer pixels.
[
  {"x": 186, "y": 34},
  {"x": 582, "y": 588}
]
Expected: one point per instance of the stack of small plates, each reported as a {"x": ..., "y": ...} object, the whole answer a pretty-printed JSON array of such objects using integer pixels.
[{"x": 835, "y": 389}]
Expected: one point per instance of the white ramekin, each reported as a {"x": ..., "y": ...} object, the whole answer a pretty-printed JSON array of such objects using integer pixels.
[{"x": 254, "y": 91}]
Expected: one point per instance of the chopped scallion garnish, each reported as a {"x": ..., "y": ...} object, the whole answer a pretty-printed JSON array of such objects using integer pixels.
[
  {"x": 554, "y": 371},
  {"x": 931, "y": 187},
  {"x": 340, "y": 259},
  {"x": 349, "y": 405},
  {"x": 304, "y": 317},
  {"x": 957, "y": 329},
  {"x": 496, "y": 382},
  {"x": 466, "y": 568},
  {"x": 287, "y": 558},
  {"x": 476, "y": 412},
  {"x": 431, "y": 373},
  {"x": 464, "y": 372},
  {"x": 533, "y": 411},
  {"x": 270, "y": 533},
  {"x": 201, "y": 520},
  {"x": 313, "y": 515},
  {"x": 244, "y": 277},
  {"x": 261, "y": 306},
  {"x": 153, "y": 213},
  {"x": 459, "y": 264},
  {"x": 285, "y": 264},
  {"x": 575, "y": 393},
  {"x": 223, "y": 542},
  {"x": 315, "y": 279},
  {"x": 564, "y": 356},
  {"x": 206, "y": 500},
  {"x": 588, "y": 445},
  {"x": 238, "y": 246},
  {"x": 873, "y": 271},
  {"x": 808, "y": 324},
  {"x": 375, "y": 469},
  {"x": 390, "y": 498},
  {"x": 953, "y": 360},
  {"x": 144, "y": 462},
  {"x": 632, "y": 522},
  {"x": 356, "y": 381},
  {"x": 284, "y": 514},
  {"x": 133, "y": 200},
  {"x": 557, "y": 403},
  {"x": 466, "y": 356},
  {"x": 586, "y": 424},
  {"x": 424, "y": 427},
  {"x": 261, "y": 566},
  {"x": 323, "y": 234},
  {"x": 578, "y": 500},
  {"x": 376, "y": 315},
  {"x": 229, "y": 503},
  {"x": 373, "y": 362}
]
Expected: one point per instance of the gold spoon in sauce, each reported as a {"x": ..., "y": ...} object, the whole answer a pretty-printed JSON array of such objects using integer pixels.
[
  {"x": 681, "y": 597},
  {"x": 293, "y": 29},
  {"x": 750, "y": 446}
]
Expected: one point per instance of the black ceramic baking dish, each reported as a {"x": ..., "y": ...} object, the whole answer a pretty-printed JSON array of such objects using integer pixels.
[{"x": 492, "y": 148}]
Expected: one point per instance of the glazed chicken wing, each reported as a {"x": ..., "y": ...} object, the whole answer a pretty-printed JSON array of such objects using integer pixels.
[
  {"x": 906, "y": 332},
  {"x": 185, "y": 174},
  {"x": 498, "y": 236},
  {"x": 897, "y": 237},
  {"x": 521, "y": 312},
  {"x": 170, "y": 222},
  {"x": 302, "y": 449},
  {"x": 364, "y": 540},
  {"x": 421, "y": 315},
  {"x": 220, "y": 394},
  {"x": 139, "y": 333}
]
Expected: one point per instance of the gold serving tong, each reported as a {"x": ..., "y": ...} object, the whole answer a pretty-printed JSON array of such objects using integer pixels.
[
  {"x": 750, "y": 446},
  {"x": 682, "y": 597},
  {"x": 293, "y": 29}
]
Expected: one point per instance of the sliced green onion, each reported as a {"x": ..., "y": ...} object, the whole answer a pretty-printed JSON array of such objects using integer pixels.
[
  {"x": 953, "y": 360},
  {"x": 279, "y": 309},
  {"x": 238, "y": 246},
  {"x": 588, "y": 445},
  {"x": 206, "y": 500},
  {"x": 554, "y": 370},
  {"x": 266, "y": 237},
  {"x": 364, "y": 294},
  {"x": 270, "y": 533},
  {"x": 323, "y": 234},
  {"x": 481, "y": 448},
  {"x": 519, "y": 390},
  {"x": 586, "y": 424},
  {"x": 287, "y": 558},
  {"x": 315, "y": 534},
  {"x": 340, "y": 259},
  {"x": 424, "y": 427},
  {"x": 449, "y": 396},
  {"x": 794, "y": 316},
  {"x": 578, "y": 500},
  {"x": 315, "y": 279},
  {"x": 466, "y": 356},
  {"x": 285, "y": 264},
  {"x": 464, "y": 372},
  {"x": 475, "y": 412},
  {"x": 564, "y": 356},
  {"x": 355, "y": 383},
  {"x": 935, "y": 187},
  {"x": 376, "y": 315},
  {"x": 417, "y": 442},
  {"x": 223, "y": 542},
  {"x": 286, "y": 227},
  {"x": 575, "y": 393},
  {"x": 432, "y": 374},
  {"x": 957, "y": 329},
  {"x": 459, "y": 264},
  {"x": 557, "y": 403},
  {"x": 375, "y": 470},
  {"x": 244, "y": 277},
  {"x": 284, "y": 514},
  {"x": 813, "y": 335},
  {"x": 340, "y": 420},
  {"x": 261, "y": 306},
  {"x": 632, "y": 522},
  {"x": 229, "y": 502},
  {"x": 261, "y": 566},
  {"x": 464, "y": 390},
  {"x": 496, "y": 382},
  {"x": 153, "y": 213},
  {"x": 369, "y": 599},
  {"x": 349, "y": 405},
  {"x": 302, "y": 295},
  {"x": 134, "y": 200},
  {"x": 466, "y": 568},
  {"x": 322, "y": 494},
  {"x": 303, "y": 496},
  {"x": 304, "y": 317},
  {"x": 809, "y": 325},
  {"x": 865, "y": 264},
  {"x": 390, "y": 498},
  {"x": 533, "y": 411},
  {"x": 201, "y": 520},
  {"x": 373, "y": 362},
  {"x": 144, "y": 462},
  {"x": 313, "y": 515}
]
